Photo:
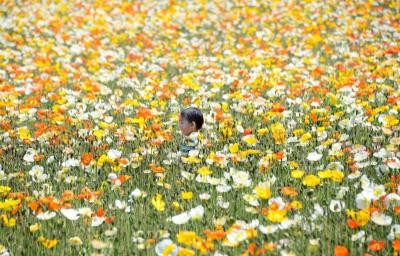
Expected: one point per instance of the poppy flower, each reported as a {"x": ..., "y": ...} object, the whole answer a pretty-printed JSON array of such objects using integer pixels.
[
  {"x": 341, "y": 250},
  {"x": 376, "y": 245},
  {"x": 86, "y": 158},
  {"x": 396, "y": 245}
]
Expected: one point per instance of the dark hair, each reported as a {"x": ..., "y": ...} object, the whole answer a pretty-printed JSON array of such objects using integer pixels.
[{"x": 193, "y": 114}]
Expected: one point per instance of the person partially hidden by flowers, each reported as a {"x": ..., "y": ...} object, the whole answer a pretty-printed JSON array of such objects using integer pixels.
[{"x": 190, "y": 121}]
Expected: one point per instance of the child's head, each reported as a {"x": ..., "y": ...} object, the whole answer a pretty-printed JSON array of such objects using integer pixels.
[{"x": 190, "y": 120}]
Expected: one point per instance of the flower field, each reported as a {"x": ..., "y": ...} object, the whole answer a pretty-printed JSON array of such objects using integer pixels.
[{"x": 298, "y": 155}]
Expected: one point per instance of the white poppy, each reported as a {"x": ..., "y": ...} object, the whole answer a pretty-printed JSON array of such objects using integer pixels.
[
  {"x": 278, "y": 201},
  {"x": 252, "y": 199},
  {"x": 37, "y": 173},
  {"x": 342, "y": 191},
  {"x": 114, "y": 154},
  {"x": 392, "y": 199},
  {"x": 181, "y": 218},
  {"x": 236, "y": 236},
  {"x": 50, "y": 159},
  {"x": 336, "y": 146},
  {"x": 221, "y": 203},
  {"x": 292, "y": 139},
  {"x": 354, "y": 175},
  {"x": 71, "y": 214},
  {"x": 187, "y": 175},
  {"x": 336, "y": 205},
  {"x": 204, "y": 196},
  {"x": 314, "y": 156},
  {"x": 97, "y": 221},
  {"x": 253, "y": 224},
  {"x": 335, "y": 166},
  {"x": 378, "y": 191},
  {"x": 136, "y": 193},
  {"x": 322, "y": 135},
  {"x": 222, "y": 188},
  {"x": 193, "y": 153},
  {"x": 365, "y": 182},
  {"x": 381, "y": 219},
  {"x": 85, "y": 211},
  {"x": 197, "y": 212},
  {"x": 203, "y": 178},
  {"x": 120, "y": 204},
  {"x": 360, "y": 156},
  {"x": 285, "y": 224},
  {"x": 46, "y": 215},
  {"x": 318, "y": 211},
  {"x": 29, "y": 155},
  {"x": 241, "y": 179},
  {"x": 270, "y": 229},
  {"x": 362, "y": 165},
  {"x": 382, "y": 153},
  {"x": 363, "y": 199},
  {"x": 215, "y": 181},
  {"x": 111, "y": 232},
  {"x": 71, "y": 163},
  {"x": 358, "y": 235},
  {"x": 393, "y": 163},
  {"x": 160, "y": 247},
  {"x": 394, "y": 232}
]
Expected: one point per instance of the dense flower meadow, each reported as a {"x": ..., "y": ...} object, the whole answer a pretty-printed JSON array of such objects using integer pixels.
[{"x": 299, "y": 153}]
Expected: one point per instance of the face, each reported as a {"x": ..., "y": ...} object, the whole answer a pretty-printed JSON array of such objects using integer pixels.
[{"x": 186, "y": 127}]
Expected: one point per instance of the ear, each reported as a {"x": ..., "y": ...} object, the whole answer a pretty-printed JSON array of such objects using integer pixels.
[{"x": 193, "y": 124}]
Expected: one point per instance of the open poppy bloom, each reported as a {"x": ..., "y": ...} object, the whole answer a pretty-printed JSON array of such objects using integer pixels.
[
  {"x": 376, "y": 245},
  {"x": 341, "y": 251}
]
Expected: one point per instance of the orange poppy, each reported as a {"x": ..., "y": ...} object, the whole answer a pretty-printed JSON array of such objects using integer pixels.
[
  {"x": 68, "y": 194},
  {"x": 277, "y": 108},
  {"x": 100, "y": 212},
  {"x": 109, "y": 219},
  {"x": 145, "y": 113},
  {"x": 53, "y": 206},
  {"x": 218, "y": 114},
  {"x": 250, "y": 249},
  {"x": 289, "y": 191},
  {"x": 279, "y": 155},
  {"x": 156, "y": 127},
  {"x": 122, "y": 178},
  {"x": 376, "y": 245},
  {"x": 214, "y": 235},
  {"x": 248, "y": 131},
  {"x": 86, "y": 158},
  {"x": 313, "y": 117},
  {"x": 38, "y": 157},
  {"x": 397, "y": 210},
  {"x": 396, "y": 245},
  {"x": 155, "y": 168},
  {"x": 341, "y": 251},
  {"x": 352, "y": 224},
  {"x": 264, "y": 211},
  {"x": 34, "y": 205}
]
